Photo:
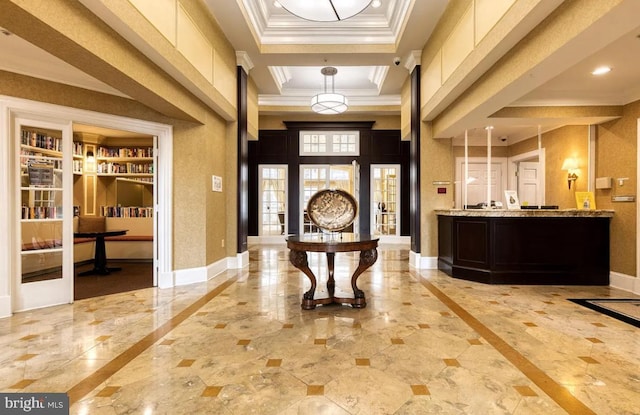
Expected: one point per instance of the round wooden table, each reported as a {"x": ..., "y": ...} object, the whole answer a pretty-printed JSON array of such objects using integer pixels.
[{"x": 330, "y": 244}]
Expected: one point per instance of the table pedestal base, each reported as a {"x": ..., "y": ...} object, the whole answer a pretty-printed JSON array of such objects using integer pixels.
[
  {"x": 100, "y": 261},
  {"x": 299, "y": 259}
]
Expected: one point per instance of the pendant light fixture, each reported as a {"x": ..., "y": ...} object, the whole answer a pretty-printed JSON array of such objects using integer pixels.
[
  {"x": 329, "y": 102},
  {"x": 324, "y": 10}
]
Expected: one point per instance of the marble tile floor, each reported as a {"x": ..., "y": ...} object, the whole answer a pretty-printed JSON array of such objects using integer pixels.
[{"x": 240, "y": 344}]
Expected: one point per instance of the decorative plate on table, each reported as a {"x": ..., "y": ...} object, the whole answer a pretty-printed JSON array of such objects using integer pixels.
[{"x": 332, "y": 209}]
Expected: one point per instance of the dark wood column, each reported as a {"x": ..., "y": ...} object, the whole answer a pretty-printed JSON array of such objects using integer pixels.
[
  {"x": 414, "y": 162},
  {"x": 243, "y": 163}
]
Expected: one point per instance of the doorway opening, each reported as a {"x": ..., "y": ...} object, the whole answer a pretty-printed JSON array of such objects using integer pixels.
[{"x": 113, "y": 189}]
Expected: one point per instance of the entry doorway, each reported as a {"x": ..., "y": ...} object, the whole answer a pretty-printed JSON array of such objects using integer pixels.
[
  {"x": 115, "y": 184},
  {"x": 527, "y": 176},
  {"x": 316, "y": 177},
  {"x": 385, "y": 200},
  {"x": 272, "y": 200},
  {"x": 17, "y": 296}
]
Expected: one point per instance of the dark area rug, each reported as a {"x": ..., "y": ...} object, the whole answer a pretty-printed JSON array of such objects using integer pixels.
[
  {"x": 623, "y": 309},
  {"x": 132, "y": 276}
]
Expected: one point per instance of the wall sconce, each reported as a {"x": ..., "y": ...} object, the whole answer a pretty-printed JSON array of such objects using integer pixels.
[
  {"x": 90, "y": 156},
  {"x": 570, "y": 165}
]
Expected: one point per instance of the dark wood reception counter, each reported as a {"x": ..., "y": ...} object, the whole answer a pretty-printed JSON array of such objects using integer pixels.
[{"x": 564, "y": 247}]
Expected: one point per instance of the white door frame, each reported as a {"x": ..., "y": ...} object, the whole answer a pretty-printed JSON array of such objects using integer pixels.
[
  {"x": 270, "y": 239},
  {"x": 528, "y": 156},
  {"x": 10, "y": 106},
  {"x": 388, "y": 238},
  {"x": 37, "y": 294}
]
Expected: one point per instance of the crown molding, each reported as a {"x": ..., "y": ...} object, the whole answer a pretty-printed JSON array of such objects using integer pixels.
[{"x": 243, "y": 59}]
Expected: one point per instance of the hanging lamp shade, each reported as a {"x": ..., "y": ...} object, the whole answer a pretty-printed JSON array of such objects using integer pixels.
[
  {"x": 324, "y": 10},
  {"x": 329, "y": 102}
]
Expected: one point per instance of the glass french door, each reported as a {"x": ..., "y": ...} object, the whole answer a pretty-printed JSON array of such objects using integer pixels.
[
  {"x": 315, "y": 177},
  {"x": 272, "y": 215},
  {"x": 43, "y": 254},
  {"x": 385, "y": 200}
]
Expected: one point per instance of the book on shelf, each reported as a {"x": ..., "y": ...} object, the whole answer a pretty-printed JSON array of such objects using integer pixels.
[
  {"x": 126, "y": 212},
  {"x": 41, "y": 212},
  {"x": 125, "y": 152},
  {"x": 125, "y": 168},
  {"x": 41, "y": 140}
]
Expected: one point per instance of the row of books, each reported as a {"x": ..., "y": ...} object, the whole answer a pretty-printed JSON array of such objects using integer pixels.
[
  {"x": 125, "y": 152},
  {"x": 41, "y": 212},
  {"x": 77, "y": 148},
  {"x": 126, "y": 212},
  {"x": 41, "y": 140},
  {"x": 130, "y": 168},
  {"x": 77, "y": 166}
]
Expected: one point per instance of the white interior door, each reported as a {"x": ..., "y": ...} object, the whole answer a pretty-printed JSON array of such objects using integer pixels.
[
  {"x": 528, "y": 182},
  {"x": 477, "y": 183},
  {"x": 42, "y": 265}
]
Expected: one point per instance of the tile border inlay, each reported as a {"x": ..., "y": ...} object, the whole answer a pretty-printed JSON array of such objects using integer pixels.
[
  {"x": 546, "y": 383},
  {"x": 91, "y": 382}
]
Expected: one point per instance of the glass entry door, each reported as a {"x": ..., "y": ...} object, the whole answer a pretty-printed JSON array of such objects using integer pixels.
[
  {"x": 385, "y": 208},
  {"x": 272, "y": 215},
  {"x": 43, "y": 265},
  {"x": 318, "y": 177}
]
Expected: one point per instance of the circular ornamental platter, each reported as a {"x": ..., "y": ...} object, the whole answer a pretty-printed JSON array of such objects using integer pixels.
[{"x": 332, "y": 209}]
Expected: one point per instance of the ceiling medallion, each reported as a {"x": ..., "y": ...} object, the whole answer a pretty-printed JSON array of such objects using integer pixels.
[
  {"x": 329, "y": 102},
  {"x": 324, "y": 10}
]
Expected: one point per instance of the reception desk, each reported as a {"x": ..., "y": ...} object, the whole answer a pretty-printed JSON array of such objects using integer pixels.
[{"x": 563, "y": 247}]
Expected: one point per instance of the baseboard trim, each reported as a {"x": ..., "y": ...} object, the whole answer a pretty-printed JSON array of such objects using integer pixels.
[
  {"x": 422, "y": 262},
  {"x": 190, "y": 275},
  {"x": 624, "y": 282},
  {"x": 240, "y": 261},
  {"x": 5, "y": 306},
  {"x": 266, "y": 240}
]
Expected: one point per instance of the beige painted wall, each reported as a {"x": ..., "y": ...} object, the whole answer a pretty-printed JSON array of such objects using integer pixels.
[
  {"x": 616, "y": 156},
  {"x": 481, "y": 151},
  {"x": 436, "y": 164}
]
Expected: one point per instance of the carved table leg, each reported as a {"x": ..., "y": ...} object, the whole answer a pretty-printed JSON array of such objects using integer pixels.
[
  {"x": 367, "y": 258},
  {"x": 299, "y": 260},
  {"x": 331, "y": 283}
]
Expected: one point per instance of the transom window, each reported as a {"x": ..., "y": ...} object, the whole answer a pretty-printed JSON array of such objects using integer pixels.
[{"x": 329, "y": 143}]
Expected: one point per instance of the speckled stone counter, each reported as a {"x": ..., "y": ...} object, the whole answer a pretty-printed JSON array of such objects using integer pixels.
[
  {"x": 527, "y": 213},
  {"x": 556, "y": 247}
]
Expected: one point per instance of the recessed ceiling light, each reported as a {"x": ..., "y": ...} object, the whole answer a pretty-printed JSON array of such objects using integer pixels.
[
  {"x": 376, "y": 3},
  {"x": 601, "y": 70}
]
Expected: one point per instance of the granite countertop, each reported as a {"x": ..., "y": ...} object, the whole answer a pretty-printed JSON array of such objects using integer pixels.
[{"x": 516, "y": 213}]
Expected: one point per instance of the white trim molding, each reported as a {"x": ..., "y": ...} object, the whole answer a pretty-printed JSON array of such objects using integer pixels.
[
  {"x": 5, "y": 306},
  {"x": 624, "y": 282},
  {"x": 189, "y": 276},
  {"x": 240, "y": 261},
  {"x": 420, "y": 262}
]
